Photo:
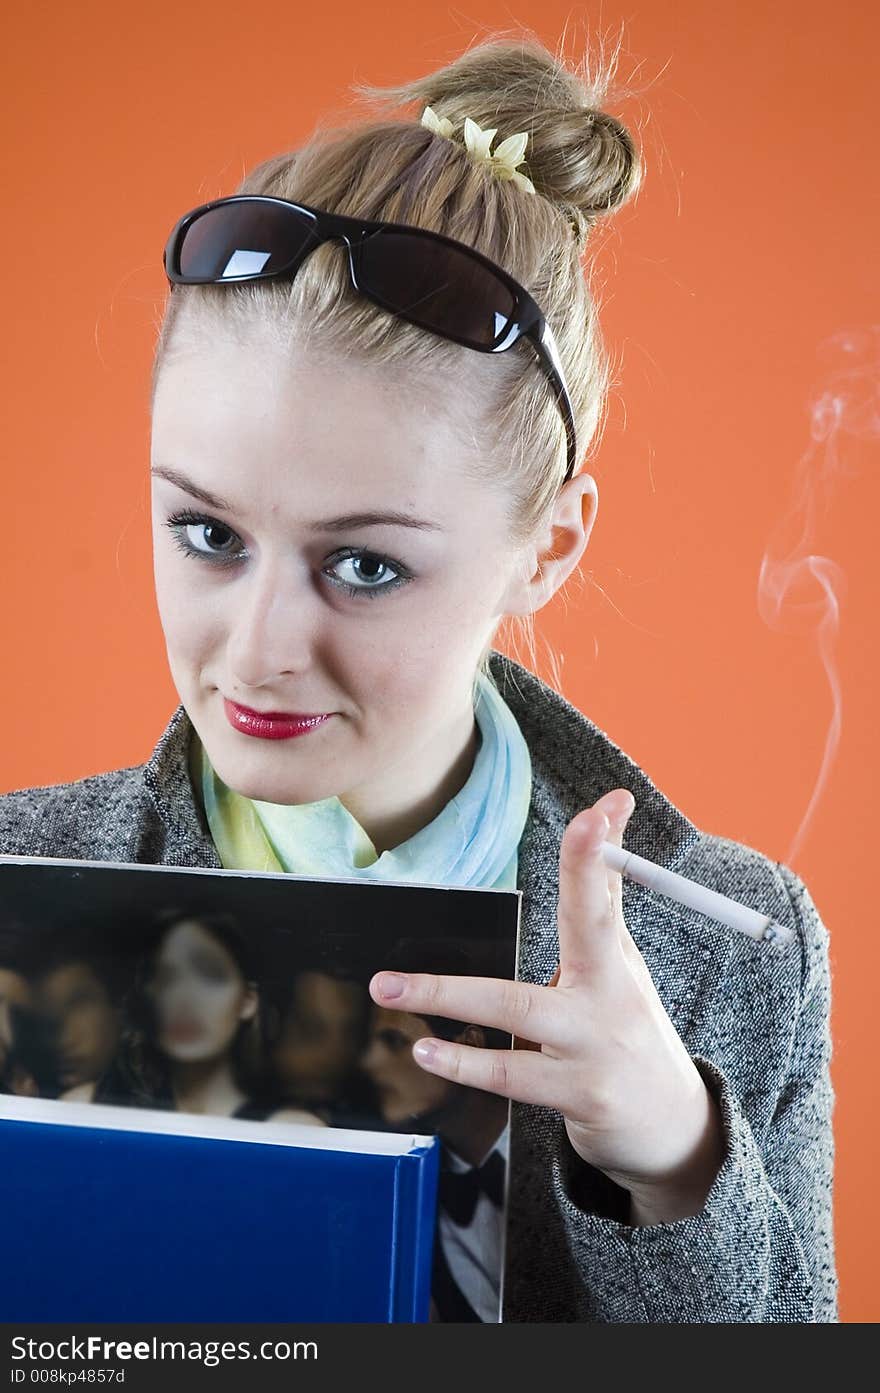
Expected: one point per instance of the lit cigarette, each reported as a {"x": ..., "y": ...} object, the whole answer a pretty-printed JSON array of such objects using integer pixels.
[{"x": 695, "y": 896}]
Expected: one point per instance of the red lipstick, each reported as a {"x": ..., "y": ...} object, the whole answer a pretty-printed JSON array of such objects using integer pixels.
[
  {"x": 184, "y": 1032},
  {"x": 271, "y": 725}
]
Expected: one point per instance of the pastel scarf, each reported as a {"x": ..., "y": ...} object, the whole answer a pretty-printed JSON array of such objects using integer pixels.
[{"x": 472, "y": 841}]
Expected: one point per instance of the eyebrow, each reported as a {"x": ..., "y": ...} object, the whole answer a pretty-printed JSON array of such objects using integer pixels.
[{"x": 337, "y": 524}]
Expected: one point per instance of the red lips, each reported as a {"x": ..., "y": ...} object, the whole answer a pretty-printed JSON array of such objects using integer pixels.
[
  {"x": 272, "y": 725},
  {"x": 184, "y": 1032}
]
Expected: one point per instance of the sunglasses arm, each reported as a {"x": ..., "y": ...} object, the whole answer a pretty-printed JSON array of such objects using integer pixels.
[{"x": 552, "y": 364}]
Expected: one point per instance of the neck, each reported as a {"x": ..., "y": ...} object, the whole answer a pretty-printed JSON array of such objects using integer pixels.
[
  {"x": 205, "y": 1086},
  {"x": 475, "y": 1126},
  {"x": 409, "y": 798}
]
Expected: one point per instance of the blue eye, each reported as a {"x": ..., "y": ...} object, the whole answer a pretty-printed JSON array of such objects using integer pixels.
[
  {"x": 368, "y": 573},
  {"x": 182, "y": 522}
]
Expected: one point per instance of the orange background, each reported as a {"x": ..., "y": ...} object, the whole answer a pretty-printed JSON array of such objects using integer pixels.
[{"x": 752, "y": 244}]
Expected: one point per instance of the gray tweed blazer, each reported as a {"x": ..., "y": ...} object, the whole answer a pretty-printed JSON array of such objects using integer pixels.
[{"x": 755, "y": 1021}]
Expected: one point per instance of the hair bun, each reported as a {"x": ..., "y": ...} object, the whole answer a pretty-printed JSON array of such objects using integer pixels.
[
  {"x": 578, "y": 155},
  {"x": 587, "y": 162}
]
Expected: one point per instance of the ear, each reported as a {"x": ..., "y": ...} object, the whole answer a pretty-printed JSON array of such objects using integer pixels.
[
  {"x": 250, "y": 1003},
  {"x": 472, "y": 1035},
  {"x": 550, "y": 558}
]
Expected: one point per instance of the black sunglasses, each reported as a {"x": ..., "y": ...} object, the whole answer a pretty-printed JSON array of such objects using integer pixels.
[{"x": 442, "y": 285}]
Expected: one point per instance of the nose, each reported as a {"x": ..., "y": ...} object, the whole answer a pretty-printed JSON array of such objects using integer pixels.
[
  {"x": 70, "y": 1033},
  {"x": 173, "y": 997},
  {"x": 273, "y": 623}
]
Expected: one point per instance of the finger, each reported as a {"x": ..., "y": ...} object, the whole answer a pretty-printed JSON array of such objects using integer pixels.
[
  {"x": 585, "y": 912},
  {"x": 525, "y": 1076},
  {"x": 519, "y": 1044},
  {"x": 524, "y": 1008}
]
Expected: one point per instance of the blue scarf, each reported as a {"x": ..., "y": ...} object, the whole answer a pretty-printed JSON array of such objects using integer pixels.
[{"x": 473, "y": 840}]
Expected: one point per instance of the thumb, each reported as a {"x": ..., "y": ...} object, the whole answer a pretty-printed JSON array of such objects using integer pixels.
[
  {"x": 618, "y": 807},
  {"x": 590, "y": 890},
  {"x": 584, "y": 912}
]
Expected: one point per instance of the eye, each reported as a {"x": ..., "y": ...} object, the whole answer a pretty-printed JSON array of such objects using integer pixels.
[
  {"x": 364, "y": 572},
  {"x": 83, "y": 998},
  {"x": 210, "y": 968},
  {"x": 185, "y": 528}
]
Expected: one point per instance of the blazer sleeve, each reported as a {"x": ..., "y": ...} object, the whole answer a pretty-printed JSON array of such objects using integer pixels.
[{"x": 762, "y": 1247}]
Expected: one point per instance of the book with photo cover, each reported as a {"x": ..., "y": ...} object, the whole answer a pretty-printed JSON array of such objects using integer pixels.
[{"x": 192, "y": 1072}]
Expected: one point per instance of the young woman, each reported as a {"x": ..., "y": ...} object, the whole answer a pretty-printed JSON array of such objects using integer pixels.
[
  {"x": 365, "y": 456},
  {"x": 192, "y": 1038}
]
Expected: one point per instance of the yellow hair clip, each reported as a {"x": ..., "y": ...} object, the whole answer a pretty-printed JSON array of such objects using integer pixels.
[
  {"x": 503, "y": 160},
  {"x": 441, "y": 125}
]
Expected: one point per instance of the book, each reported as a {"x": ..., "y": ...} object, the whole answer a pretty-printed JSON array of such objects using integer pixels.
[
  {"x": 212, "y": 1032},
  {"x": 220, "y": 1220}
]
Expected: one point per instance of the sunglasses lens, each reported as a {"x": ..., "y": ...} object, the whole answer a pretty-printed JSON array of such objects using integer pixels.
[
  {"x": 243, "y": 239},
  {"x": 437, "y": 286}
]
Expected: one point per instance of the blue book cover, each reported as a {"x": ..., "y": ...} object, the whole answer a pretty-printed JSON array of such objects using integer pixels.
[
  {"x": 239, "y": 1221},
  {"x": 148, "y": 1013}
]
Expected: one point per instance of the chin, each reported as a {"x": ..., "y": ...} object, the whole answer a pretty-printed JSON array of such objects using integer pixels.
[
  {"x": 271, "y": 785},
  {"x": 304, "y": 769},
  {"x": 196, "y": 1053},
  {"x": 74, "y": 1075},
  {"x": 400, "y": 1116}
]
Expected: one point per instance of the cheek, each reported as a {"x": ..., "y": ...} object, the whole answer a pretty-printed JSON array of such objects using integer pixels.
[
  {"x": 225, "y": 1010},
  {"x": 432, "y": 630},
  {"x": 165, "y": 568},
  {"x": 417, "y": 1085},
  {"x": 436, "y": 1088},
  {"x": 109, "y": 1025},
  {"x": 415, "y": 663},
  {"x": 97, "y": 1024},
  {"x": 161, "y": 1002},
  {"x": 187, "y": 598},
  {"x": 181, "y": 606}
]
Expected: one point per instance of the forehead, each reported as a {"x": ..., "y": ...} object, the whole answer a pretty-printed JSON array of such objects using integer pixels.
[
  {"x": 13, "y": 984},
  {"x": 251, "y": 420},
  {"x": 404, "y": 1021},
  {"x": 327, "y": 990},
  {"x": 189, "y": 933},
  {"x": 70, "y": 977}
]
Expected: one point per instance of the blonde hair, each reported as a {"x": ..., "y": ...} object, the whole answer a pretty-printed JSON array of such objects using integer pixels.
[{"x": 583, "y": 163}]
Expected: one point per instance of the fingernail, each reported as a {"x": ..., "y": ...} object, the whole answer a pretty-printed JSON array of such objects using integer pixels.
[
  {"x": 391, "y": 984},
  {"x": 600, "y": 832},
  {"x": 625, "y": 807},
  {"x": 425, "y": 1051}
]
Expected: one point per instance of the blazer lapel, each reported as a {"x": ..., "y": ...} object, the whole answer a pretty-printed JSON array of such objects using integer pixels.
[{"x": 167, "y": 780}]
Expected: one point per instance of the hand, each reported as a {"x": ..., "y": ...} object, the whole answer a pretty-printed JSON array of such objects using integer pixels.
[{"x": 605, "y": 1053}]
